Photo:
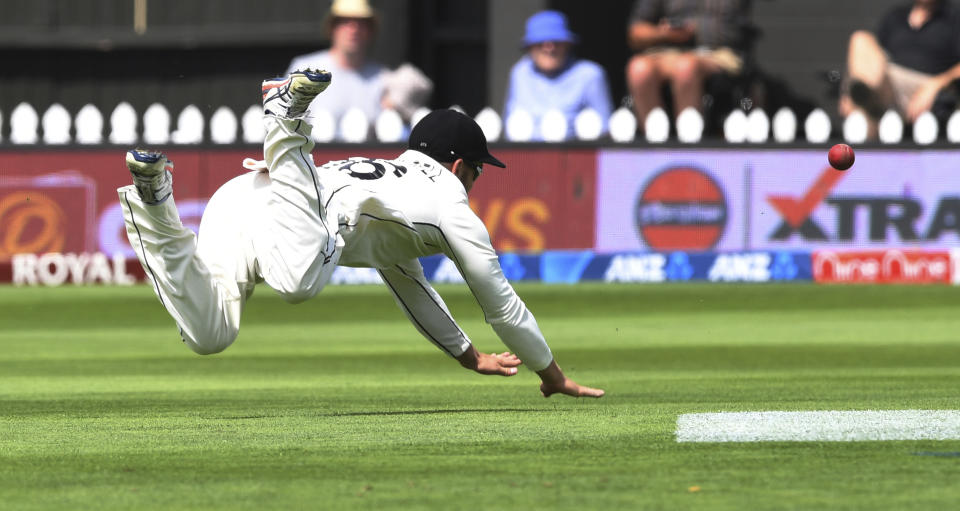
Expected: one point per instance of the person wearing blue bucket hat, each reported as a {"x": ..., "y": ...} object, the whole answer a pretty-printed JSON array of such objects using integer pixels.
[
  {"x": 548, "y": 77},
  {"x": 548, "y": 26}
]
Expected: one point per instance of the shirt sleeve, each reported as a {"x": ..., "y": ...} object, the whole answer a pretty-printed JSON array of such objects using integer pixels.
[
  {"x": 511, "y": 102},
  {"x": 467, "y": 243},
  {"x": 646, "y": 10},
  {"x": 424, "y": 307},
  {"x": 955, "y": 21},
  {"x": 885, "y": 28},
  {"x": 598, "y": 94}
]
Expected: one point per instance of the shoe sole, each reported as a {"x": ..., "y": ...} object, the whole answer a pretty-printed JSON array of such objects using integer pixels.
[
  {"x": 141, "y": 162},
  {"x": 145, "y": 156},
  {"x": 320, "y": 79}
]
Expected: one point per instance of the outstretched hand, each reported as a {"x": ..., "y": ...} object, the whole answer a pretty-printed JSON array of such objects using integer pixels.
[
  {"x": 555, "y": 382},
  {"x": 506, "y": 363},
  {"x": 503, "y": 364},
  {"x": 570, "y": 388}
]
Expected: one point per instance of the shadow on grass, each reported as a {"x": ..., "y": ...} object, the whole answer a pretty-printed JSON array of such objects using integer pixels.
[
  {"x": 389, "y": 413},
  {"x": 431, "y": 412}
]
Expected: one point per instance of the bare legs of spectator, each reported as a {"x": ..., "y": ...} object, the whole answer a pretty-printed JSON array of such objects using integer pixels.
[
  {"x": 685, "y": 72},
  {"x": 688, "y": 73},
  {"x": 866, "y": 60},
  {"x": 866, "y": 67},
  {"x": 644, "y": 80}
]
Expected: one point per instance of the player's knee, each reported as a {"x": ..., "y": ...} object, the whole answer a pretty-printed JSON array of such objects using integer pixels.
[
  {"x": 294, "y": 286},
  {"x": 297, "y": 295},
  {"x": 211, "y": 341},
  {"x": 300, "y": 289},
  {"x": 207, "y": 347}
]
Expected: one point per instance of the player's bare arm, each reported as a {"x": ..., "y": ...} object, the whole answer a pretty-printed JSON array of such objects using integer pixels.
[{"x": 466, "y": 240}]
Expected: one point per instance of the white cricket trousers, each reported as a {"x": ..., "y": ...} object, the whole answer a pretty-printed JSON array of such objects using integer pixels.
[{"x": 277, "y": 227}]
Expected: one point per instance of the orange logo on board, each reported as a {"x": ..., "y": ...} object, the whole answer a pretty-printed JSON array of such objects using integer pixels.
[{"x": 30, "y": 222}]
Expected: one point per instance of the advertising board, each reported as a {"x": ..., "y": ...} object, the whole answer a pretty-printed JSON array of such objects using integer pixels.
[
  {"x": 891, "y": 266},
  {"x": 66, "y": 201},
  {"x": 776, "y": 200}
]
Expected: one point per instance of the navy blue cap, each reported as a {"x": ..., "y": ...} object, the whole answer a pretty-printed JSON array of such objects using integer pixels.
[{"x": 448, "y": 135}]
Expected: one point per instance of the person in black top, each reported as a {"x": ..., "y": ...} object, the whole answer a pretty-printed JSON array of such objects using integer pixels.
[
  {"x": 914, "y": 55},
  {"x": 682, "y": 42}
]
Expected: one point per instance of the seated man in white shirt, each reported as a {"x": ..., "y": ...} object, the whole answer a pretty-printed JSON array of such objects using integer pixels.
[
  {"x": 290, "y": 223},
  {"x": 351, "y": 26}
]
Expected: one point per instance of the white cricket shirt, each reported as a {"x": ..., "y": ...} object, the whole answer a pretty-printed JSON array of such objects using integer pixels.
[{"x": 393, "y": 211}]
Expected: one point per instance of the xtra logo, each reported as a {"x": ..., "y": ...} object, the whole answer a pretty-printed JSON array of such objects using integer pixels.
[
  {"x": 681, "y": 208},
  {"x": 885, "y": 215}
]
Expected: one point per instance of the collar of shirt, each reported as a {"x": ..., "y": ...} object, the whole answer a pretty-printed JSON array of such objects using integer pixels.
[
  {"x": 530, "y": 69},
  {"x": 415, "y": 161},
  {"x": 563, "y": 69}
]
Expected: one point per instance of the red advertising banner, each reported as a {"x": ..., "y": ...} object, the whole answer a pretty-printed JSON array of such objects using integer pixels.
[
  {"x": 51, "y": 213},
  {"x": 883, "y": 266},
  {"x": 65, "y": 201},
  {"x": 544, "y": 200}
]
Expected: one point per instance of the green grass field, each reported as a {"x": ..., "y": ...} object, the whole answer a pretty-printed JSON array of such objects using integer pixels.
[{"x": 338, "y": 403}]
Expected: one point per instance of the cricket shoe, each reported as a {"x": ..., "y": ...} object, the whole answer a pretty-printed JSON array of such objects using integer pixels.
[
  {"x": 290, "y": 97},
  {"x": 151, "y": 175}
]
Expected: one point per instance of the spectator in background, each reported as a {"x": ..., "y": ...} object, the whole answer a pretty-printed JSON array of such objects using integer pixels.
[
  {"x": 351, "y": 26},
  {"x": 406, "y": 90},
  {"x": 683, "y": 42},
  {"x": 549, "y": 77},
  {"x": 914, "y": 56}
]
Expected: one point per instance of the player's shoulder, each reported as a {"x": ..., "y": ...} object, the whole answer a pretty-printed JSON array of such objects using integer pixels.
[
  {"x": 360, "y": 167},
  {"x": 373, "y": 173}
]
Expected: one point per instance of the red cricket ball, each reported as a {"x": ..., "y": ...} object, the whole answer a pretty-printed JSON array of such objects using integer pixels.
[{"x": 841, "y": 157}]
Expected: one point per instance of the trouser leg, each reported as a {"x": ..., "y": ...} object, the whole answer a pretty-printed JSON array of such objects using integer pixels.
[
  {"x": 206, "y": 309},
  {"x": 295, "y": 242}
]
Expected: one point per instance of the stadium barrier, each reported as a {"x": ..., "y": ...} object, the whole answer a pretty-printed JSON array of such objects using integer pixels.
[
  {"x": 222, "y": 126},
  {"x": 617, "y": 214}
]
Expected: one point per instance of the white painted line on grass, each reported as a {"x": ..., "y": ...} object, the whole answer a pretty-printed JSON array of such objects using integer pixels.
[{"x": 823, "y": 426}]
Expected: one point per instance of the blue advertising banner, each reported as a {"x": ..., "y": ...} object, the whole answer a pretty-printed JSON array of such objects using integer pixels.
[
  {"x": 758, "y": 266},
  {"x": 570, "y": 267}
]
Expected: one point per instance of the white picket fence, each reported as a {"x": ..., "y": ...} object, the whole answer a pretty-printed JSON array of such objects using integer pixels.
[{"x": 57, "y": 127}]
